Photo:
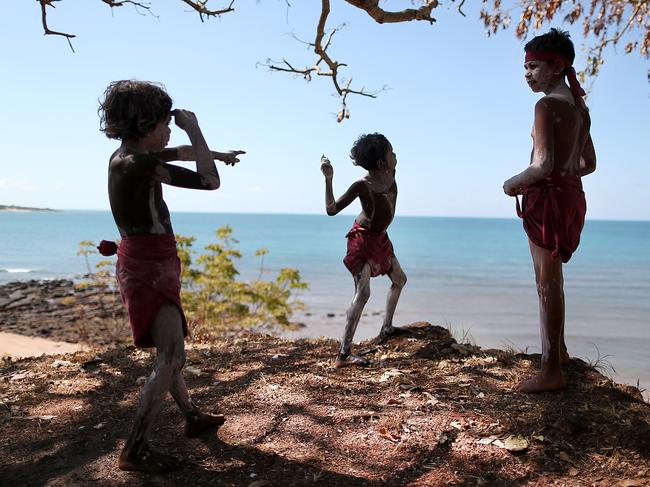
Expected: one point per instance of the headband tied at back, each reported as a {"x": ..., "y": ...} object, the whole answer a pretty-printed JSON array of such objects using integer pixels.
[{"x": 574, "y": 84}]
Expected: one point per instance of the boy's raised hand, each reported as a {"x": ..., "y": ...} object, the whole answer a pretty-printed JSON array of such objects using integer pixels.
[
  {"x": 184, "y": 119},
  {"x": 326, "y": 167}
]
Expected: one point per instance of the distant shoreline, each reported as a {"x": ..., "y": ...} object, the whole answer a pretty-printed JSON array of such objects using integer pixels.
[{"x": 22, "y": 208}]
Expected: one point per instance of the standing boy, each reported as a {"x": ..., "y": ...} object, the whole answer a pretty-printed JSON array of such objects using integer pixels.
[
  {"x": 370, "y": 251},
  {"x": 148, "y": 269},
  {"x": 553, "y": 206}
]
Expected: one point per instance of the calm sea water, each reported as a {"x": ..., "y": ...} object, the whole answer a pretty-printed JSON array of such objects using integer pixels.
[{"x": 474, "y": 275}]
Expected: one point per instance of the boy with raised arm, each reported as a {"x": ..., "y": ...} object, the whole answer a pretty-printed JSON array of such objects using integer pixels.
[
  {"x": 148, "y": 269},
  {"x": 553, "y": 206},
  {"x": 370, "y": 251}
]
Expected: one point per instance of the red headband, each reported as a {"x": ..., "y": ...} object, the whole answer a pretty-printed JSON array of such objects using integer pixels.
[{"x": 574, "y": 84}]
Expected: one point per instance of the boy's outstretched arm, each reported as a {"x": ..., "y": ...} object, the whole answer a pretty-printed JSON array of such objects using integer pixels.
[
  {"x": 333, "y": 206},
  {"x": 187, "y": 153},
  {"x": 542, "y": 161},
  {"x": 588, "y": 158}
]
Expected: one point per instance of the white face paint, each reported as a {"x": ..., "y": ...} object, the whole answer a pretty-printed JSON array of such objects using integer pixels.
[
  {"x": 158, "y": 139},
  {"x": 540, "y": 75}
]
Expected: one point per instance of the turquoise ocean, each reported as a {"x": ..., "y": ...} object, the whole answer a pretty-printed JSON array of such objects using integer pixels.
[{"x": 471, "y": 274}]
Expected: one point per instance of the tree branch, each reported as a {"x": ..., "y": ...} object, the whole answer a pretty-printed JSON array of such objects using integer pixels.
[
  {"x": 46, "y": 29},
  {"x": 198, "y": 5},
  {"x": 201, "y": 8},
  {"x": 381, "y": 16},
  {"x": 326, "y": 66}
]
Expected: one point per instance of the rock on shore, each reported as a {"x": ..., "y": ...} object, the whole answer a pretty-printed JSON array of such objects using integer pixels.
[{"x": 59, "y": 310}]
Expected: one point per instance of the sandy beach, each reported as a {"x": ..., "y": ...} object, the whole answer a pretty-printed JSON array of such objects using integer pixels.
[{"x": 20, "y": 346}]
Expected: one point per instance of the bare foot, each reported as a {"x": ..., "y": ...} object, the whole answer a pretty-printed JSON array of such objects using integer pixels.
[
  {"x": 198, "y": 423},
  {"x": 393, "y": 331},
  {"x": 542, "y": 382},
  {"x": 146, "y": 460},
  {"x": 351, "y": 360}
]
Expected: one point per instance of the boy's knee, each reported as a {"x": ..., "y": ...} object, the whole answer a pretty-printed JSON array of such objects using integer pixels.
[
  {"x": 400, "y": 280},
  {"x": 364, "y": 294},
  {"x": 179, "y": 358},
  {"x": 547, "y": 288},
  {"x": 174, "y": 358}
]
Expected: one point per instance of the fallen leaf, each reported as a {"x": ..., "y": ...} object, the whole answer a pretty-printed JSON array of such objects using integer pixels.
[
  {"x": 259, "y": 483},
  {"x": 389, "y": 374},
  {"x": 384, "y": 433},
  {"x": 61, "y": 363},
  {"x": 278, "y": 355},
  {"x": 538, "y": 438},
  {"x": 393, "y": 401},
  {"x": 193, "y": 370},
  {"x": 631, "y": 483},
  {"x": 487, "y": 440},
  {"x": 564, "y": 457},
  {"x": 499, "y": 443},
  {"x": 480, "y": 395},
  {"x": 432, "y": 400},
  {"x": 99, "y": 426},
  {"x": 573, "y": 472},
  {"x": 456, "y": 424},
  {"x": 45, "y": 417},
  {"x": 515, "y": 443},
  {"x": 20, "y": 375}
]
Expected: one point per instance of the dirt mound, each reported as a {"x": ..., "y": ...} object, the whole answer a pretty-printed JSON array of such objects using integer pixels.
[{"x": 428, "y": 411}]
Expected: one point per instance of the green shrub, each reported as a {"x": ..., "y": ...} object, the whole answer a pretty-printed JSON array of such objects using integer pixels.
[{"x": 213, "y": 298}]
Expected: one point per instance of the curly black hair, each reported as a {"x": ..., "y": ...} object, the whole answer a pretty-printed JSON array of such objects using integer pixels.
[
  {"x": 554, "y": 40},
  {"x": 131, "y": 109},
  {"x": 368, "y": 149}
]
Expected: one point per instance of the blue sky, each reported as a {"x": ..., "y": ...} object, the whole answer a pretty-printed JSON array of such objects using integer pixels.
[{"x": 457, "y": 110}]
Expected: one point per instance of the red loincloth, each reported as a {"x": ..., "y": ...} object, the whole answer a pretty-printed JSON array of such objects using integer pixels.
[
  {"x": 554, "y": 214},
  {"x": 148, "y": 272},
  {"x": 365, "y": 246}
]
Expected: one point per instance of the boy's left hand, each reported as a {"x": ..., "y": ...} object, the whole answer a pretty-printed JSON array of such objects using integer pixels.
[
  {"x": 230, "y": 158},
  {"x": 512, "y": 189}
]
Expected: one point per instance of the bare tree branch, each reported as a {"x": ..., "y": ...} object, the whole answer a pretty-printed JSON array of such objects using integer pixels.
[
  {"x": 326, "y": 66},
  {"x": 381, "y": 16},
  {"x": 199, "y": 6},
  {"x": 46, "y": 29}
]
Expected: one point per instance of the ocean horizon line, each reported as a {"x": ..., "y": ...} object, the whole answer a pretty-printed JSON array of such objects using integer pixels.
[{"x": 237, "y": 213}]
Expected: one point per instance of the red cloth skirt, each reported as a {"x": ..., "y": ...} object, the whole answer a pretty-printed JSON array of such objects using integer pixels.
[
  {"x": 148, "y": 273},
  {"x": 554, "y": 213},
  {"x": 369, "y": 247}
]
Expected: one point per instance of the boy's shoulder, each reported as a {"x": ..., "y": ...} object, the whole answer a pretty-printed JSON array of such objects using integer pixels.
[
  {"x": 552, "y": 102},
  {"x": 126, "y": 160}
]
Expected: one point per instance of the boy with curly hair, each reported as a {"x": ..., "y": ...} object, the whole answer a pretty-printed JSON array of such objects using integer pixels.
[
  {"x": 553, "y": 206},
  {"x": 370, "y": 251},
  {"x": 148, "y": 269}
]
